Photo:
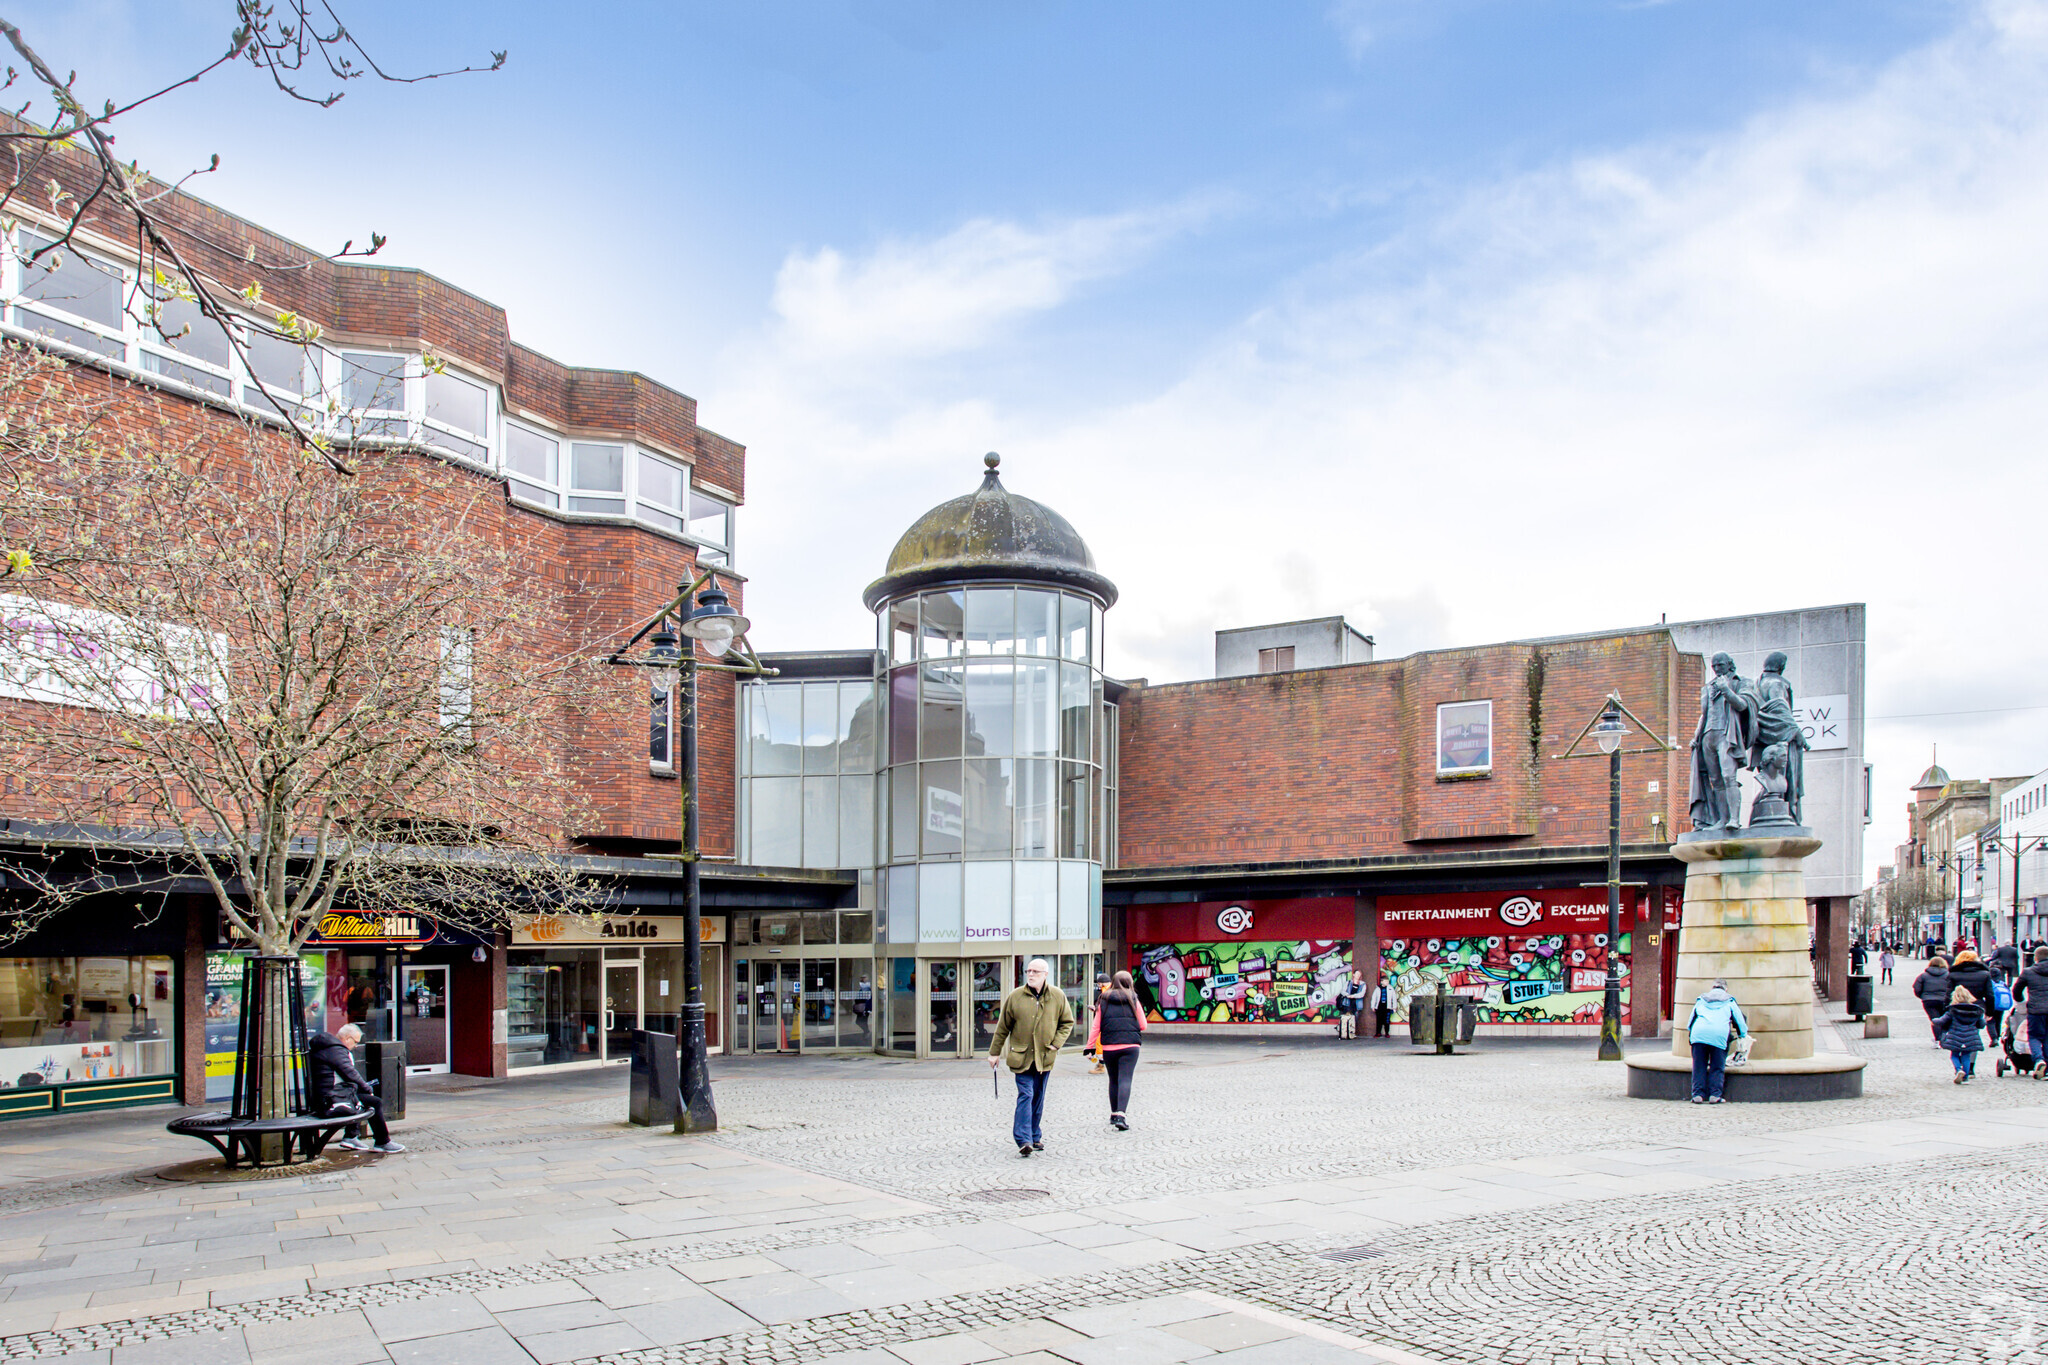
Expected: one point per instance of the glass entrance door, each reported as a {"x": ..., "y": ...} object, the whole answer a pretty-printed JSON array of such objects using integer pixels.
[
  {"x": 775, "y": 1019},
  {"x": 423, "y": 996},
  {"x": 988, "y": 1002},
  {"x": 621, "y": 1008}
]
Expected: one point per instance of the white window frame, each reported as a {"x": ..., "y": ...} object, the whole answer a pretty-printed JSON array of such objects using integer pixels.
[
  {"x": 431, "y": 426},
  {"x": 1473, "y": 770},
  {"x": 149, "y": 344},
  {"x": 623, "y": 495},
  {"x": 338, "y": 381},
  {"x": 456, "y": 677},
  {"x": 18, "y": 270},
  {"x": 663, "y": 696},
  {"x": 710, "y": 551},
  {"x": 556, "y": 490},
  {"x": 648, "y": 512}
]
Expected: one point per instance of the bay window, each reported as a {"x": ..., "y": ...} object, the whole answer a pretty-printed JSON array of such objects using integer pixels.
[
  {"x": 77, "y": 299},
  {"x": 658, "y": 500},
  {"x": 533, "y": 465},
  {"x": 458, "y": 415},
  {"x": 710, "y": 525},
  {"x": 597, "y": 478}
]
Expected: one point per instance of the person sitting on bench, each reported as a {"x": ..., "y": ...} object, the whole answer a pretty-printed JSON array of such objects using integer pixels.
[{"x": 338, "y": 1086}]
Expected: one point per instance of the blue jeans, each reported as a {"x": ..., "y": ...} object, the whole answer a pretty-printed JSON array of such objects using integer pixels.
[
  {"x": 1709, "y": 1070},
  {"x": 1030, "y": 1106},
  {"x": 1964, "y": 1059},
  {"x": 2037, "y": 1037}
]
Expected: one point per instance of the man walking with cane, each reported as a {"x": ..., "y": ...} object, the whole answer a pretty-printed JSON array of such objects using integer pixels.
[{"x": 1034, "y": 1022}]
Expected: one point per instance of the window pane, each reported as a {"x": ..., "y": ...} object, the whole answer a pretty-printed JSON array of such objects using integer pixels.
[
  {"x": 821, "y": 727},
  {"x": 1095, "y": 900},
  {"x": 710, "y": 519},
  {"x": 903, "y": 715},
  {"x": 1074, "y": 628},
  {"x": 902, "y": 905},
  {"x": 658, "y": 727},
  {"x": 1038, "y": 709},
  {"x": 597, "y": 468},
  {"x": 1037, "y": 902},
  {"x": 374, "y": 381},
  {"x": 1077, "y": 824},
  {"x": 1036, "y": 807},
  {"x": 775, "y": 729},
  {"x": 821, "y": 822},
  {"x": 943, "y": 622},
  {"x": 82, "y": 288},
  {"x": 902, "y": 619},
  {"x": 46, "y": 326},
  {"x": 938, "y": 903},
  {"x": 599, "y": 507},
  {"x": 203, "y": 339},
  {"x": 459, "y": 403},
  {"x": 991, "y": 620},
  {"x": 821, "y": 998},
  {"x": 280, "y": 364},
  {"x": 531, "y": 455},
  {"x": 661, "y": 483},
  {"x": 939, "y": 809},
  {"x": 775, "y": 821},
  {"x": 1075, "y": 712},
  {"x": 940, "y": 712},
  {"x": 987, "y": 918},
  {"x": 1073, "y": 900},
  {"x": 526, "y": 492},
  {"x": 856, "y": 822},
  {"x": 985, "y": 831},
  {"x": 991, "y": 702},
  {"x": 903, "y": 818},
  {"x": 856, "y": 727},
  {"x": 185, "y": 374},
  {"x": 1038, "y": 622}
]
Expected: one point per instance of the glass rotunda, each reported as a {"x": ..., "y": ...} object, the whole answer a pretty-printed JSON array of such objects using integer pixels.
[{"x": 995, "y": 811}]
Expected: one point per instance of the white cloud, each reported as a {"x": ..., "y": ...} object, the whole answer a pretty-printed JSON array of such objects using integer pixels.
[
  {"x": 1353, "y": 20},
  {"x": 1794, "y": 364}
]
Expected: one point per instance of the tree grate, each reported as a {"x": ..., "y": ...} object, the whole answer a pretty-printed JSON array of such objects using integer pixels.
[
  {"x": 1357, "y": 1253},
  {"x": 1006, "y": 1196}
]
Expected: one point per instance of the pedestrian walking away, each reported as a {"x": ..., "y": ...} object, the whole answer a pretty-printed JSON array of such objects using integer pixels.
[
  {"x": 2031, "y": 990},
  {"x": 1974, "y": 975},
  {"x": 1716, "y": 1020},
  {"x": 1383, "y": 1009},
  {"x": 1884, "y": 966},
  {"x": 337, "y": 1086},
  {"x": 1859, "y": 955},
  {"x": 1961, "y": 1029},
  {"x": 2006, "y": 958},
  {"x": 1351, "y": 1004},
  {"x": 1116, "y": 1032},
  {"x": 1931, "y": 989},
  {"x": 1030, "y": 1032}
]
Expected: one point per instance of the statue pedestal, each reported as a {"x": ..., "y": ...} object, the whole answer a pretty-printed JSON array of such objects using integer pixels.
[{"x": 1745, "y": 923}]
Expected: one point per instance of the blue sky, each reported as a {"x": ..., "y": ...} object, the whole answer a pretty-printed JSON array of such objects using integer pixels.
[{"x": 1471, "y": 319}]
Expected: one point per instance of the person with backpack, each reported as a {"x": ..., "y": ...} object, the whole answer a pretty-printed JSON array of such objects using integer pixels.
[
  {"x": 1961, "y": 1030},
  {"x": 1931, "y": 989},
  {"x": 1716, "y": 1021},
  {"x": 1350, "y": 1004},
  {"x": 1115, "y": 1034},
  {"x": 1974, "y": 975}
]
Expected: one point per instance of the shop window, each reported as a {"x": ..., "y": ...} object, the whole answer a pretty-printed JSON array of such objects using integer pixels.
[
  {"x": 66, "y": 1019},
  {"x": 1279, "y": 659},
  {"x": 1464, "y": 738}
]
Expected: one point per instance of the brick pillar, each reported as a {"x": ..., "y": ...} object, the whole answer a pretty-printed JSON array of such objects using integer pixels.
[{"x": 199, "y": 913}]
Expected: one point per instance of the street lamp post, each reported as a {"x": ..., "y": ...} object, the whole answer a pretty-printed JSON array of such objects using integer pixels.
[
  {"x": 701, "y": 613},
  {"x": 2018, "y": 845},
  {"x": 1608, "y": 731}
]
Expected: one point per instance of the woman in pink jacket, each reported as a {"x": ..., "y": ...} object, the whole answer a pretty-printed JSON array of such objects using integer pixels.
[{"x": 1115, "y": 1032}]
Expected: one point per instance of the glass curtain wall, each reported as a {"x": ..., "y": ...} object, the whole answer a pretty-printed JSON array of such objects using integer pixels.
[
  {"x": 807, "y": 774},
  {"x": 996, "y": 743}
]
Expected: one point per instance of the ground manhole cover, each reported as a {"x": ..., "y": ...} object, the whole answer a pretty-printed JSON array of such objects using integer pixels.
[
  {"x": 1006, "y": 1196},
  {"x": 1359, "y": 1253}
]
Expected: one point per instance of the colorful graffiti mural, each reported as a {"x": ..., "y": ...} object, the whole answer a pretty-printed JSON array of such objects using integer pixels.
[
  {"x": 1269, "y": 982},
  {"x": 1557, "y": 978}
]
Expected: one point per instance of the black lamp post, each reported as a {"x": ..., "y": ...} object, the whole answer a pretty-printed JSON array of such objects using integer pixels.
[
  {"x": 1608, "y": 730},
  {"x": 710, "y": 620},
  {"x": 2017, "y": 845}
]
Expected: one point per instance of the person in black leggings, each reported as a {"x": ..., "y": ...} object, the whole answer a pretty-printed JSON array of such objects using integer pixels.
[{"x": 1114, "y": 1034}]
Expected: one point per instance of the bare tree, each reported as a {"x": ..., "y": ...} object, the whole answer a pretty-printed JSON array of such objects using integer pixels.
[
  {"x": 60, "y": 155},
  {"x": 295, "y": 686}
]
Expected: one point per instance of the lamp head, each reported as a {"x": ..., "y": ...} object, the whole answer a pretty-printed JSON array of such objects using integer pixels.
[
  {"x": 661, "y": 646},
  {"x": 1610, "y": 731},
  {"x": 713, "y": 621}
]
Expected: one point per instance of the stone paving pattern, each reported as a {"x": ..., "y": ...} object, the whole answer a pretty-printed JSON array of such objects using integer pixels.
[{"x": 1508, "y": 1205}]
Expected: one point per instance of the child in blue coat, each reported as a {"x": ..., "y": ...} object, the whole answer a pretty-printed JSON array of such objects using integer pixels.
[{"x": 1961, "y": 1031}]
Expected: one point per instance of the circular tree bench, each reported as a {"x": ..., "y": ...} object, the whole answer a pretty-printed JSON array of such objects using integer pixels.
[{"x": 240, "y": 1140}]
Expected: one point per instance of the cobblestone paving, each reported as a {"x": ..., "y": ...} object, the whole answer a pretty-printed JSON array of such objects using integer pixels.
[{"x": 1517, "y": 1207}]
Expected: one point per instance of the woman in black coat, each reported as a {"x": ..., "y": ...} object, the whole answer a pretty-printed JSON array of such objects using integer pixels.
[
  {"x": 1974, "y": 975},
  {"x": 1114, "y": 1034},
  {"x": 1931, "y": 989}
]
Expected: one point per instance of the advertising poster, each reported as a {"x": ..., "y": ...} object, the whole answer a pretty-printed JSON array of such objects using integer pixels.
[
  {"x": 224, "y": 1012},
  {"x": 1292, "y": 981},
  {"x": 1534, "y": 957}
]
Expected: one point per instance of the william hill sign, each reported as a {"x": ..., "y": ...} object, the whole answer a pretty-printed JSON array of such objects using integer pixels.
[{"x": 350, "y": 926}]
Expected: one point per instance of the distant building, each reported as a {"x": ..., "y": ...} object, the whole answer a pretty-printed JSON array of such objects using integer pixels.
[
  {"x": 2018, "y": 839},
  {"x": 1325, "y": 642}
]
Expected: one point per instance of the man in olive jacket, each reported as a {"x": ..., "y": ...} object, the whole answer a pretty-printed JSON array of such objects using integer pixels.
[{"x": 1035, "y": 1022}]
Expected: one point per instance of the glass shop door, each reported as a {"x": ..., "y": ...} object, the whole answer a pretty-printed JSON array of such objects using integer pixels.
[
  {"x": 423, "y": 996},
  {"x": 621, "y": 1009}
]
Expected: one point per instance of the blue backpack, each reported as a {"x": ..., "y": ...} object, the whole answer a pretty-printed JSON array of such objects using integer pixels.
[{"x": 2001, "y": 995}]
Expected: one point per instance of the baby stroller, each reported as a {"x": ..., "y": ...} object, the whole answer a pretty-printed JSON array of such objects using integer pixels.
[{"x": 2013, "y": 1040}]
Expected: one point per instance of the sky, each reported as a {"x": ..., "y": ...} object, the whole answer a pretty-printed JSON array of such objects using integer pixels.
[{"x": 1469, "y": 320}]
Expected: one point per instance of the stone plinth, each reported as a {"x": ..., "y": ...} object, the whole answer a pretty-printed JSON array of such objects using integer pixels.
[{"x": 1745, "y": 923}]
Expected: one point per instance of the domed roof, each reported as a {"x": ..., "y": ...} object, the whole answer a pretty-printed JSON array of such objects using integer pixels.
[
  {"x": 990, "y": 533},
  {"x": 1935, "y": 776}
]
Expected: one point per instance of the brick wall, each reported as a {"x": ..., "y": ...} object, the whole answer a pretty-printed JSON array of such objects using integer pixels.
[{"x": 1340, "y": 762}]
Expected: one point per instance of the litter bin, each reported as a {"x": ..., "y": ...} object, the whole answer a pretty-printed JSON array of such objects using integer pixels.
[
  {"x": 1441, "y": 1021},
  {"x": 385, "y": 1065},
  {"x": 1861, "y": 996},
  {"x": 655, "y": 1098}
]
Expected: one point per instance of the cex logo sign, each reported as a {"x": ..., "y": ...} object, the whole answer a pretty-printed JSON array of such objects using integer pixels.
[
  {"x": 1234, "y": 919},
  {"x": 1520, "y": 911}
]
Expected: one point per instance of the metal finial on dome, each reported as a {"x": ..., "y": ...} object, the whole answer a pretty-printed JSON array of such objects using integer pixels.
[{"x": 991, "y": 459}]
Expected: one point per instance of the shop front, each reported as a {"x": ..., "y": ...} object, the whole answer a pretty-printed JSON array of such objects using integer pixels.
[
  {"x": 577, "y": 987},
  {"x": 1243, "y": 961},
  {"x": 87, "y": 1032}
]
